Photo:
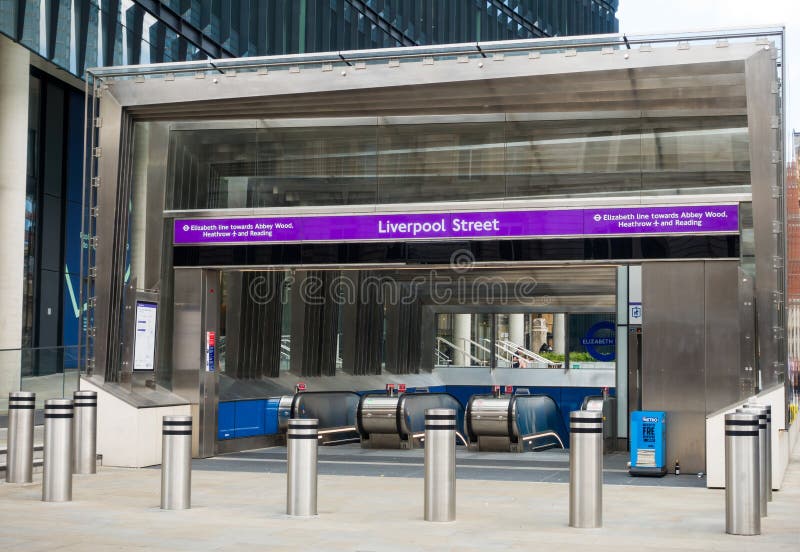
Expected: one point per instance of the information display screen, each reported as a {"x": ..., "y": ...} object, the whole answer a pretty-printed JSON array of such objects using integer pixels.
[{"x": 144, "y": 350}]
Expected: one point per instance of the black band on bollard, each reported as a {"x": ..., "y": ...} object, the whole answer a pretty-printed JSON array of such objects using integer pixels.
[
  {"x": 58, "y": 407},
  {"x": 734, "y": 433},
  {"x": 21, "y": 406},
  {"x": 22, "y": 399},
  {"x": 440, "y": 417},
  {"x": 586, "y": 430},
  {"x": 442, "y": 427},
  {"x": 176, "y": 432},
  {"x": 77, "y": 404},
  {"x": 46, "y": 415},
  {"x": 180, "y": 423},
  {"x": 302, "y": 436},
  {"x": 586, "y": 420},
  {"x": 741, "y": 422}
]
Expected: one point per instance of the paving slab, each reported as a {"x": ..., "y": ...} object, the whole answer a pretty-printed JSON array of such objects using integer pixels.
[{"x": 117, "y": 509}]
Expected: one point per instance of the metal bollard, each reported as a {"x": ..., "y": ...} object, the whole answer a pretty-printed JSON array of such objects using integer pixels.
[
  {"x": 742, "y": 475},
  {"x": 301, "y": 471},
  {"x": 767, "y": 408},
  {"x": 57, "y": 477},
  {"x": 85, "y": 432},
  {"x": 763, "y": 475},
  {"x": 19, "y": 451},
  {"x": 440, "y": 464},
  {"x": 176, "y": 463},
  {"x": 586, "y": 469}
]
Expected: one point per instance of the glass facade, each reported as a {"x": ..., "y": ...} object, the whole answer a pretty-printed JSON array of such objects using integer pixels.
[
  {"x": 80, "y": 34},
  {"x": 53, "y": 204},
  {"x": 271, "y": 168},
  {"x": 425, "y": 159}
]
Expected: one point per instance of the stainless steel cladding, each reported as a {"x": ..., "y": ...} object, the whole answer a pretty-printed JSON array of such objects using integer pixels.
[
  {"x": 440, "y": 464},
  {"x": 742, "y": 474},
  {"x": 767, "y": 408},
  {"x": 19, "y": 451},
  {"x": 378, "y": 414},
  {"x": 57, "y": 477},
  {"x": 492, "y": 416},
  {"x": 285, "y": 412},
  {"x": 301, "y": 470},
  {"x": 586, "y": 469},
  {"x": 176, "y": 463},
  {"x": 84, "y": 437},
  {"x": 608, "y": 406},
  {"x": 763, "y": 474}
]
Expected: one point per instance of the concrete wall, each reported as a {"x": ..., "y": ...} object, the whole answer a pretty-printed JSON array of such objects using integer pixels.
[
  {"x": 15, "y": 61},
  {"x": 783, "y": 438},
  {"x": 127, "y": 436}
]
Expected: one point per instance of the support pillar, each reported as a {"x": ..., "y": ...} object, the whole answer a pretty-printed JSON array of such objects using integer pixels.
[
  {"x": 14, "y": 88},
  {"x": 516, "y": 329},
  {"x": 462, "y": 330},
  {"x": 559, "y": 334}
]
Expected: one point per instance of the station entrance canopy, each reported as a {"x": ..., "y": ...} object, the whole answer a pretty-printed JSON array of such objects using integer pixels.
[{"x": 606, "y": 149}]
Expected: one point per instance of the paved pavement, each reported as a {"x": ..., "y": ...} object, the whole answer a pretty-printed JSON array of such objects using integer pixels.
[
  {"x": 550, "y": 466},
  {"x": 117, "y": 509}
]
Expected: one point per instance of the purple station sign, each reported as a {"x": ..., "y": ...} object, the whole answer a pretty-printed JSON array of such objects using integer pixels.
[{"x": 605, "y": 221}]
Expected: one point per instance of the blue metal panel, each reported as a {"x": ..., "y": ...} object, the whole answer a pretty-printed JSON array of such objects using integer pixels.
[
  {"x": 226, "y": 420},
  {"x": 249, "y": 418},
  {"x": 271, "y": 416}
]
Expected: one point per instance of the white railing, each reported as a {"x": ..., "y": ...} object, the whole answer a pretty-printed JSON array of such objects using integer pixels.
[
  {"x": 527, "y": 354},
  {"x": 456, "y": 348}
]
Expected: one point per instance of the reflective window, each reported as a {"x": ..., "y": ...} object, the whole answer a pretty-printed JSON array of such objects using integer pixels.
[
  {"x": 91, "y": 33},
  {"x": 427, "y": 159}
]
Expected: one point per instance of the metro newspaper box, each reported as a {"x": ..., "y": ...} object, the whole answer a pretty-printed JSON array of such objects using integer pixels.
[{"x": 648, "y": 447}]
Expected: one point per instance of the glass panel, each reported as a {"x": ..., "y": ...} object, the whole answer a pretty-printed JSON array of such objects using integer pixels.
[
  {"x": 31, "y": 27},
  {"x": 592, "y": 341},
  {"x": 272, "y": 167},
  {"x": 445, "y": 161},
  {"x": 61, "y": 55},
  {"x": 454, "y": 158},
  {"x": 694, "y": 155},
  {"x": 8, "y": 16},
  {"x": 50, "y": 372},
  {"x": 573, "y": 157}
]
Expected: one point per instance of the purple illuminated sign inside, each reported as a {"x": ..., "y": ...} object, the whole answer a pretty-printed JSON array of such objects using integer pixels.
[{"x": 612, "y": 221}]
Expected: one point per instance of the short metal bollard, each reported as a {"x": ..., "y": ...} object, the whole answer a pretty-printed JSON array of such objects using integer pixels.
[
  {"x": 586, "y": 469},
  {"x": 301, "y": 471},
  {"x": 767, "y": 408},
  {"x": 85, "y": 432},
  {"x": 176, "y": 463},
  {"x": 57, "y": 477},
  {"x": 440, "y": 464},
  {"x": 763, "y": 475},
  {"x": 742, "y": 475},
  {"x": 19, "y": 450}
]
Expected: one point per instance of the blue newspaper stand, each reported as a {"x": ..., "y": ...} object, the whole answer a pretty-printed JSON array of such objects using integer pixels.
[{"x": 648, "y": 443}]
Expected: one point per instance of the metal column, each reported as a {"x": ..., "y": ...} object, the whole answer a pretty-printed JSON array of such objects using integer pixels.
[
  {"x": 742, "y": 477},
  {"x": 301, "y": 471},
  {"x": 763, "y": 476},
  {"x": 767, "y": 409},
  {"x": 176, "y": 463},
  {"x": 19, "y": 451},
  {"x": 57, "y": 477},
  {"x": 586, "y": 469},
  {"x": 84, "y": 460},
  {"x": 440, "y": 464}
]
